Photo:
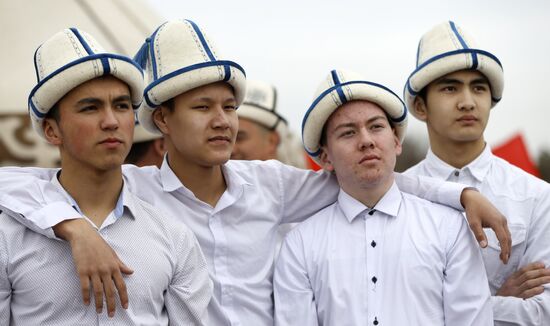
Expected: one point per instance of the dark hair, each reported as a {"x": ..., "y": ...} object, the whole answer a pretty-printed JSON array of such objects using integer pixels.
[
  {"x": 422, "y": 94},
  {"x": 53, "y": 113},
  {"x": 169, "y": 104},
  {"x": 137, "y": 151}
]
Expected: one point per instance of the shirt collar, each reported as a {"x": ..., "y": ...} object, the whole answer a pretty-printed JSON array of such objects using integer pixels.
[
  {"x": 389, "y": 204},
  {"x": 478, "y": 167},
  {"x": 170, "y": 182},
  {"x": 124, "y": 199}
]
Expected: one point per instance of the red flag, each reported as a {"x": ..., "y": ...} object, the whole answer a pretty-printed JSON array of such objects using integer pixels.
[
  {"x": 311, "y": 164},
  {"x": 515, "y": 152}
]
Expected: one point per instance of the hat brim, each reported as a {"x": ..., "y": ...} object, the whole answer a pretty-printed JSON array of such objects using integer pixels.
[
  {"x": 262, "y": 116},
  {"x": 449, "y": 62},
  {"x": 331, "y": 99},
  {"x": 186, "y": 79},
  {"x": 57, "y": 84}
]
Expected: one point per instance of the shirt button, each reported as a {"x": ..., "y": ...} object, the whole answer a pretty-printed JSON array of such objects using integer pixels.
[
  {"x": 373, "y": 244},
  {"x": 374, "y": 279},
  {"x": 372, "y": 212},
  {"x": 457, "y": 173},
  {"x": 375, "y": 322}
]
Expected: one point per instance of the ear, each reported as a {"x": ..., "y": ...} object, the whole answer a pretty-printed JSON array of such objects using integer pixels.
[
  {"x": 52, "y": 132},
  {"x": 398, "y": 146},
  {"x": 326, "y": 163},
  {"x": 420, "y": 108},
  {"x": 159, "y": 118},
  {"x": 273, "y": 140},
  {"x": 159, "y": 147}
]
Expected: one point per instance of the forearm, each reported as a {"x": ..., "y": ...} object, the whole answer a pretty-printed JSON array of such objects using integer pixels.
[
  {"x": 432, "y": 189},
  {"x": 516, "y": 311},
  {"x": 28, "y": 195}
]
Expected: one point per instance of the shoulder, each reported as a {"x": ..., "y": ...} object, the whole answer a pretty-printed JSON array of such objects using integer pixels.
[
  {"x": 507, "y": 178},
  {"x": 317, "y": 225},
  {"x": 424, "y": 209},
  {"x": 159, "y": 219},
  {"x": 415, "y": 169}
]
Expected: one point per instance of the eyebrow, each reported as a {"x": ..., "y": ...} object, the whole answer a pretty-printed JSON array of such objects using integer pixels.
[
  {"x": 95, "y": 100},
  {"x": 352, "y": 124},
  {"x": 209, "y": 99},
  {"x": 446, "y": 80}
]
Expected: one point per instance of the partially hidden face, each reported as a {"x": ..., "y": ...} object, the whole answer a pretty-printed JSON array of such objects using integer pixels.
[
  {"x": 361, "y": 146},
  {"x": 456, "y": 107},
  {"x": 202, "y": 125},
  {"x": 95, "y": 126},
  {"x": 255, "y": 142}
]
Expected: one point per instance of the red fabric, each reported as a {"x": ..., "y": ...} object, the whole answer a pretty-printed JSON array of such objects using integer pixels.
[
  {"x": 515, "y": 152},
  {"x": 311, "y": 164}
]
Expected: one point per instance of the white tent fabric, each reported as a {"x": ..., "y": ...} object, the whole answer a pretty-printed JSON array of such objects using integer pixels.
[{"x": 120, "y": 26}]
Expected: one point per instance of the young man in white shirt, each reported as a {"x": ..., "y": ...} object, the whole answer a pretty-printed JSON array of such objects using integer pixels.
[
  {"x": 377, "y": 256},
  {"x": 233, "y": 207},
  {"x": 453, "y": 89},
  {"x": 83, "y": 104}
]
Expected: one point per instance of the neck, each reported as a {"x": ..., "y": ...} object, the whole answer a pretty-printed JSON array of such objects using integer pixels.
[
  {"x": 457, "y": 154},
  {"x": 369, "y": 194},
  {"x": 206, "y": 182},
  {"x": 95, "y": 192}
]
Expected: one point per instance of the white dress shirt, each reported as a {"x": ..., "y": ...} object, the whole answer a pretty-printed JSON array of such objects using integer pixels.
[
  {"x": 525, "y": 201},
  {"x": 170, "y": 285},
  {"x": 405, "y": 262},
  {"x": 238, "y": 236}
]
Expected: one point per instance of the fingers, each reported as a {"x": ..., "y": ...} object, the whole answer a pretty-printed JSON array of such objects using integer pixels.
[
  {"x": 110, "y": 294},
  {"x": 477, "y": 229},
  {"x": 505, "y": 240},
  {"x": 532, "y": 292},
  {"x": 122, "y": 266},
  {"x": 85, "y": 286},
  {"x": 97, "y": 286},
  {"x": 121, "y": 289}
]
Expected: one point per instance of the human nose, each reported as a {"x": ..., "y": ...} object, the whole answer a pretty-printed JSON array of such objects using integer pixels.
[
  {"x": 221, "y": 118},
  {"x": 466, "y": 102},
  {"x": 109, "y": 120},
  {"x": 365, "y": 140}
]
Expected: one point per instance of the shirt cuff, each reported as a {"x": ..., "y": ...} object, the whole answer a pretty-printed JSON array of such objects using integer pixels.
[
  {"x": 450, "y": 193},
  {"x": 52, "y": 214}
]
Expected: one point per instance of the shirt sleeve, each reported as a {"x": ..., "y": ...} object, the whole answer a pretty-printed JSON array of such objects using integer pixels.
[
  {"x": 466, "y": 295},
  {"x": 294, "y": 298},
  {"x": 28, "y": 195},
  {"x": 5, "y": 286},
  {"x": 534, "y": 311},
  {"x": 432, "y": 189},
  {"x": 305, "y": 192},
  {"x": 190, "y": 290}
]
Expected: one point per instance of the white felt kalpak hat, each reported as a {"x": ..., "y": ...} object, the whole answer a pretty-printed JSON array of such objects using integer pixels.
[
  {"x": 70, "y": 58},
  {"x": 177, "y": 58},
  {"x": 260, "y": 103},
  {"x": 339, "y": 88},
  {"x": 444, "y": 49}
]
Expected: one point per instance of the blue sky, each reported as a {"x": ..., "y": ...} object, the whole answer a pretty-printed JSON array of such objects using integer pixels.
[{"x": 294, "y": 44}]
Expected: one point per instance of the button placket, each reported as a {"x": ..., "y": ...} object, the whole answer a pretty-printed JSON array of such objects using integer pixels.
[{"x": 372, "y": 236}]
